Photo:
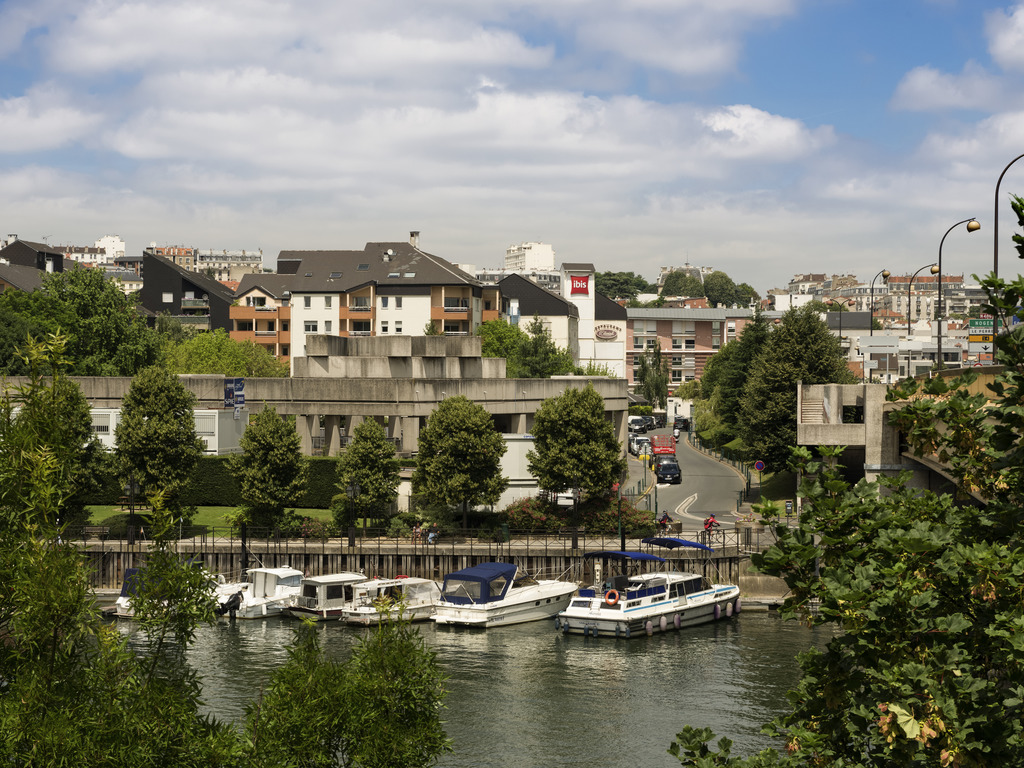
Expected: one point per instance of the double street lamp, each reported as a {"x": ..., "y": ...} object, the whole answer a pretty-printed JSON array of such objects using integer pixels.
[
  {"x": 972, "y": 226},
  {"x": 910, "y": 286},
  {"x": 884, "y": 274}
]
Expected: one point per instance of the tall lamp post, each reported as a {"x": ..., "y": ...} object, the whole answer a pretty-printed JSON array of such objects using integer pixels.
[
  {"x": 884, "y": 274},
  {"x": 910, "y": 286},
  {"x": 995, "y": 219},
  {"x": 972, "y": 226}
]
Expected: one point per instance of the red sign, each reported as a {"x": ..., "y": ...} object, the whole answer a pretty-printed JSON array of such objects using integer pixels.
[{"x": 580, "y": 284}]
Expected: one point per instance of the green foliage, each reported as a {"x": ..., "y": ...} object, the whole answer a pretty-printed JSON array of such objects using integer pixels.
[
  {"x": 459, "y": 459},
  {"x": 721, "y": 290},
  {"x": 1017, "y": 204},
  {"x": 431, "y": 329},
  {"x": 270, "y": 470},
  {"x": 369, "y": 461},
  {"x": 679, "y": 283},
  {"x": 621, "y": 285},
  {"x": 156, "y": 437},
  {"x": 575, "y": 446},
  {"x": 599, "y": 514},
  {"x": 216, "y": 352},
  {"x": 652, "y": 377},
  {"x": 927, "y": 593},
  {"x": 539, "y": 357},
  {"x": 502, "y": 339}
]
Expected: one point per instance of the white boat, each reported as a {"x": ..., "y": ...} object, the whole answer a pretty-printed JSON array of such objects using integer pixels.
[
  {"x": 122, "y": 608},
  {"x": 492, "y": 594},
  {"x": 267, "y": 592},
  {"x": 645, "y": 602},
  {"x": 324, "y": 598},
  {"x": 413, "y": 598}
]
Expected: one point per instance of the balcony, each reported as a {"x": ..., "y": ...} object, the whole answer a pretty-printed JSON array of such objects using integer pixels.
[
  {"x": 195, "y": 303},
  {"x": 360, "y": 308},
  {"x": 196, "y": 321}
]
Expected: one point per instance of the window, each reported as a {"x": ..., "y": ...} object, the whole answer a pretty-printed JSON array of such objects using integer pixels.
[
  {"x": 334, "y": 275},
  {"x": 384, "y": 326},
  {"x": 677, "y": 343},
  {"x": 383, "y": 302},
  {"x": 363, "y": 268},
  {"x": 327, "y": 326},
  {"x": 284, "y": 350},
  {"x": 398, "y": 326},
  {"x": 243, "y": 325},
  {"x": 361, "y": 328},
  {"x": 311, "y": 326},
  {"x": 691, "y": 344},
  {"x": 398, "y": 302},
  {"x": 168, "y": 298},
  {"x": 307, "y": 302},
  {"x": 327, "y": 302},
  {"x": 361, "y": 302},
  {"x": 284, "y": 327}
]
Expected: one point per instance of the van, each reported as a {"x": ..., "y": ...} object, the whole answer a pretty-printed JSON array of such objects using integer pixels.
[{"x": 636, "y": 424}]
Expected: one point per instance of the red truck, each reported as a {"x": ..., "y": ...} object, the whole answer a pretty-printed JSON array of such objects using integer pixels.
[{"x": 662, "y": 444}]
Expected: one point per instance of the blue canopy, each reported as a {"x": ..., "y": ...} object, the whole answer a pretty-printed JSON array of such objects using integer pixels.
[
  {"x": 670, "y": 543},
  {"x": 613, "y": 555},
  {"x": 482, "y": 583}
]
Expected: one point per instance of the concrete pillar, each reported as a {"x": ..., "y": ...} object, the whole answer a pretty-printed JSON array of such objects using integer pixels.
[
  {"x": 332, "y": 435},
  {"x": 305, "y": 426}
]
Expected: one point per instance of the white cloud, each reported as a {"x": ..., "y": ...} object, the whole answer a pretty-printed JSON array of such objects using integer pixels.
[
  {"x": 42, "y": 119},
  {"x": 925, "y": 89},
  {"x": 1006, "y": 37}
]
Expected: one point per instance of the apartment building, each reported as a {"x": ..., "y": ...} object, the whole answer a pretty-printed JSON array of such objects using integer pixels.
[
  {"x": 227, "y": 265},
  {"x": 261, "y": 313}
]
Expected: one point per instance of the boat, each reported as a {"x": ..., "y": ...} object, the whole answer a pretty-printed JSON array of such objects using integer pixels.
[
  {"x": 220, "y": 590},
  {"x": 412, "y": 598},
  {"x": 324, "y": 598},
  {"x": 492, "y": 594},
  {"x": 639, "y": 600},
  {"x": 267, "y": 592}
]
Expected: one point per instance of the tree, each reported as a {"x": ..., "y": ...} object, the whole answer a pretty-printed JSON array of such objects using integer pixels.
[
  {"x": 540, "y": 357},
  {"x": 459, "y": 458},
  {"x": 156, "y": 438},
  {"x": 721, "y": 290},
  {"x": 271, "y": 470},
  {"x": 575, "y": 446},
  {"x": 621, "y": 285},
  {"x": 652, "y": 377},
  {"x": 745, "y": 294},
  {"x": 502, "y": 339},
  {"x": 680, "y": 283},
  {"x": 370, "y": 462},
  {"x": 800, "y": 348},
  {"x": 927, "y": 667},
  {"x": 216, "y": 352}
]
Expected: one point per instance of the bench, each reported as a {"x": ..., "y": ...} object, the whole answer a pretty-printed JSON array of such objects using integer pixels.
[{"x": 95, "y": 530}]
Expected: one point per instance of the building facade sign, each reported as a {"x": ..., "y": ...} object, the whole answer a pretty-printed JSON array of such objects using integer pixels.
[
  {"x": 606, "y": 332},
  {"x": 580, "y": 284}
]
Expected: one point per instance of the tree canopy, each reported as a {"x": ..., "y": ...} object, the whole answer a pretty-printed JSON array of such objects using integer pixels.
[
  {"x": 575, "y": 446},
  {"x": 622, "y": 285},
  {"x": 459, "y": 458},
  {"x": 680, "y": 283},
  {"x": 652, "y": 377},
  {"x": 529, "y": 353},
  {"x": 216, "y": 352},
  {"x": 370, "y": 462}
]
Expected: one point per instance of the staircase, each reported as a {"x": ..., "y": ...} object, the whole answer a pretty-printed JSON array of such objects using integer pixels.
[{"x": 812, "y": 410}]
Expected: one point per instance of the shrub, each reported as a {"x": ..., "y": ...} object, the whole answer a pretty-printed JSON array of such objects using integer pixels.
[{"x": 534, "y": 515}]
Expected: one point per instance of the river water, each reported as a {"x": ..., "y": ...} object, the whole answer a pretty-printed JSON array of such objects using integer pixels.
[{"x": 526, "y": 695}]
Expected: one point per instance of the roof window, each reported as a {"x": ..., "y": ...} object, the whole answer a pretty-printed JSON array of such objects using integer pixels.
[
  {"x": 363, "y": 267},
  {"x": 335, "y": 275}
]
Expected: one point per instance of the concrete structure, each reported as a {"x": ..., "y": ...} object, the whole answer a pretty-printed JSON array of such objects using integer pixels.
[
  {"x": 602, "y": 322},
  {"x": 220, "y": 430},
  {"x": 228, "y": 265},
  {"x": 529, "y": 256}
]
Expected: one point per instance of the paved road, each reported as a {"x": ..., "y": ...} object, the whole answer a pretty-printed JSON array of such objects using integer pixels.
[{"x": 708, "y": 486}]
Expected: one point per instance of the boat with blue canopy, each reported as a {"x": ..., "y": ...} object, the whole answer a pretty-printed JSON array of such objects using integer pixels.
[
  {"x": 645, "y": 596},
  {"x": 491, "y": 594}
]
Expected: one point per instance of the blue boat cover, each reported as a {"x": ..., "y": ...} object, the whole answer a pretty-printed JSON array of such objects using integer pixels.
[
  {"x": 611, "y": 555},
  {"x": 670, "y": 543},
  {"x": 482, "y": 583}
]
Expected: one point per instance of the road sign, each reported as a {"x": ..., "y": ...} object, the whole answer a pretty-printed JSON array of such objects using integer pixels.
[
  {"x": 759, "y": 466},
  {"x": 975, "y": 323}
]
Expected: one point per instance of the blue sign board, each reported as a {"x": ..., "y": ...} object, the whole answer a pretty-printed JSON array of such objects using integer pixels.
[{"x": 234, "y": 392}]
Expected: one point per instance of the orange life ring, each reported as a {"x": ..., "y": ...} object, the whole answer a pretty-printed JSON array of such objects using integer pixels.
[{"x": 611, "y": 597}]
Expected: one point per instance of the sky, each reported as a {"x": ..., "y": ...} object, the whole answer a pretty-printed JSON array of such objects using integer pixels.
[{"x": 762, "y": 138}]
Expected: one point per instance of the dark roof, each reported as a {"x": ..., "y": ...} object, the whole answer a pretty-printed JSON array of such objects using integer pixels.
[
  {"x": 23, "y": 278},
  {"x": 578, "y": 267},
  {"x": 274, "y": 285},
  {"x": 534, "y": 300},
  {"x": 606, "y": 309},
  {"x": 386, "y": 264},
  {"x": 198, "y": 279}
]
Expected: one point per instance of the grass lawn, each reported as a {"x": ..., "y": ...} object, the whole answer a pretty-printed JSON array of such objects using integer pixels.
[
  {"x": 212, "y": 517},
  {"x": 778, "y": 486}
]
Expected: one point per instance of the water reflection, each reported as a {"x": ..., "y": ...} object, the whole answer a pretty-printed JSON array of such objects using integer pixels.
[{"x": 528, "y": 696}]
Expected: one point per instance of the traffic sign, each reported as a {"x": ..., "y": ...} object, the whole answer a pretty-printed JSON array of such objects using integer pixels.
[{"x": 759, "y": 465}]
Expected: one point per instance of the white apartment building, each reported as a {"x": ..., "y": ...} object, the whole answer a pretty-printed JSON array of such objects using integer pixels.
[
  {"x": 526, "y": 257},
  {"x": 229, "y": 265}
]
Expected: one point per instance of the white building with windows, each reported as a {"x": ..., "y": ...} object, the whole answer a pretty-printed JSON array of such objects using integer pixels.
[{"x": 529, "y": 256}]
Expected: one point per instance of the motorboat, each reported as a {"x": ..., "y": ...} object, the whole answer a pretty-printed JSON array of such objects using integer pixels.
[
  {"x": 267, "y": 592},
  {"x": 412, "y": 599},
  {"x": 493, "y": 594},
  {"x": 324, "y": 598},
  {"x": 131, "y": 582},
  {"x": 645, "y": 596}
]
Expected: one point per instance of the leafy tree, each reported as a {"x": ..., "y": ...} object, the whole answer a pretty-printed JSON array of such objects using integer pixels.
[
  {"x": 720, "y": 290},
  {"x": 621, "y": 285},
  {"x": 745, "y": 293},
  {"x": 540, "y": 357},
  {"x": 680, "y": 283},
  {"x": 369, "y": 462},
  {"x": 271, "y": 470},
  {"x": 459, "y": 459},
  {"x": 15, "y": 331},
  {"x": 800, "y": 348},
  {"x": 928, "y": 668},
  {"x": 1017, "y": 204},
  {"x": 431, "y": 329},
  {"x": 216, "y": 352},
  {"x": 156, "y": 438},
  {"x": 652, "y": 377},
  {"x": 575, "y": 446},
  {"x": 502, "y": 339}
]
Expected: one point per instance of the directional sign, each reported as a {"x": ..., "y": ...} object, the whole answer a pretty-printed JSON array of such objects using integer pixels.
[
  {"x": 975, "y": 323},
  {"x": 980, "y": 339}
]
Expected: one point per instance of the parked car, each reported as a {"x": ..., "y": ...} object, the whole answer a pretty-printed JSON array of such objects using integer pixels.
[
  {"x": 636, "y": 424},
  {"x": 639, "y": 445},
  {"x": 667, "y": 471},
  {"x": 660, "y": 420},
  {"x": 681, "y": 423},
  {"x": 649, "y": 423}
]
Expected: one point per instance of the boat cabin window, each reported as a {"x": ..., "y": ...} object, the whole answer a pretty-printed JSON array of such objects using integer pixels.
[
  {"x": 291, "y": 581},
  {"x": 309, "y": 590},
  {"x": 339, "y": 592},
  {"x": 497, "y": 586},
  {"x": 460, "y": 588},
  {"x": 692, "y": 585}
]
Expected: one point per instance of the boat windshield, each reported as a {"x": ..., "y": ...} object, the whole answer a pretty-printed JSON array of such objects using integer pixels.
[{"x": 462, "y": 588}]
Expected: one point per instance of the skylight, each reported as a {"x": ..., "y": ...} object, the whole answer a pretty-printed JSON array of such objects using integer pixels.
[
  {"x": 363, "y": 267},
  {"x": 409, "y": 274},
  {"x": 335, "y": 275}
]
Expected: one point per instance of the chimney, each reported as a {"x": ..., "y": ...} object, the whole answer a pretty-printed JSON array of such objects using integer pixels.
[{"x": 414, "y": 239}]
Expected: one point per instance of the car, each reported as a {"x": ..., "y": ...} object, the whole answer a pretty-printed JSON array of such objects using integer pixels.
[
  {"x": 649, "y": 423},
  {"x": 668, "y": 471},
  {"x": 681, "y": 423},
  {"x": 660, "y": 420},
  {"x": 636, "y": 424},
  {"x": 640, "y": 446}
]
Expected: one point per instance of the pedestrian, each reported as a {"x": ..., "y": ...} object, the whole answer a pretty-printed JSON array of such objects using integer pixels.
[{"x": 432, "y": 536}]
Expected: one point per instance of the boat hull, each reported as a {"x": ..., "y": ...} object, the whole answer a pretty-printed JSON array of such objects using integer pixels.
[
  {"x": 600, "y": 620},
  {"x": 370, "y": 616},
  {"x": 534, "y": 603}
]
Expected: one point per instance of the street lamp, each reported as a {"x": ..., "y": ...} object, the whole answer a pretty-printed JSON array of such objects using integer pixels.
[
  {"x": 842, "y": 303},
  {"x": 995, "y": 219},
  {"x": 885, "y": 276},
  {"x": 353, "y": 492},
  {"x": 910, "y": 285},
  {"x": 972, "y": 226}
]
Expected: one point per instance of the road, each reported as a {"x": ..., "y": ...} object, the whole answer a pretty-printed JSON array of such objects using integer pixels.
[{"x": 708, "y": 486}]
